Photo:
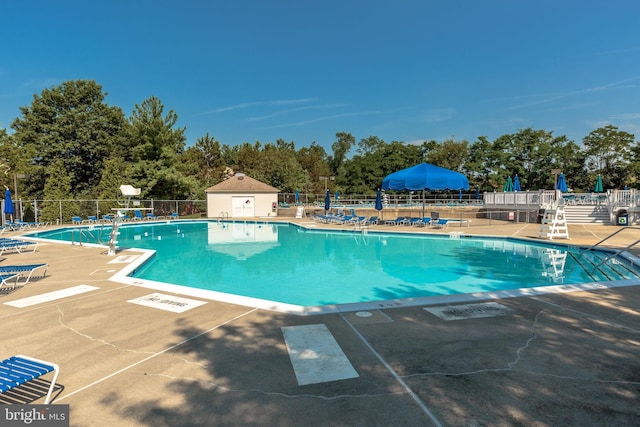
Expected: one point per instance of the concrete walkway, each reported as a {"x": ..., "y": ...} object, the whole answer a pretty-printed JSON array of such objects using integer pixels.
[{"x": 569, "y": 359}]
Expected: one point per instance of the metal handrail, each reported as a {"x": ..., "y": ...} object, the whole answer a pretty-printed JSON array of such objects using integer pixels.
[{"x": 616, "y": 252}]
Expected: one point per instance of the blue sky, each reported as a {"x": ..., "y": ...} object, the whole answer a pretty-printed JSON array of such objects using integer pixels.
[{"x": 403, "y": 70}]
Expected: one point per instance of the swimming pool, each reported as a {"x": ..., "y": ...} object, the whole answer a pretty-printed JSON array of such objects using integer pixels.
[{"x": 294, "y": 266}]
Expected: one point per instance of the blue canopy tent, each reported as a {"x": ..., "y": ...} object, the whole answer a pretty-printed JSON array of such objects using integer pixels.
[
  {"x": 425, "y": 176},
  {"x": 516, "y": 184},
  {"x": 8, "y": 204}
]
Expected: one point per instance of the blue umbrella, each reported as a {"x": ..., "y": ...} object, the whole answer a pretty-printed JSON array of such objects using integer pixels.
[
  {"x": 8, "y": 204},
  {"x": 562, "y": 184},
  {"x": 379, "y": 200},
  {"x": 508, "y": 186},
  {"x": 477, "y": 192},
  {"x": 425, "y": 177},
  {"x": 337, "y": 195},
  {"x": 516, "y": 184},
  {"x": 297, "y": 195},
  {"x": 327, "y": 201},
  {"x": 599, "y": 187},
  {"x": 460, "y": 195}
]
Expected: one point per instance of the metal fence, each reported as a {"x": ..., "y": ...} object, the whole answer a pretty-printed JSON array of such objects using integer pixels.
[{"x": 32, "y": 210}]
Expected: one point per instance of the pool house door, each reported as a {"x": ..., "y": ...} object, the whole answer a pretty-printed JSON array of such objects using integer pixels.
[{"x": 243, "y": 206}]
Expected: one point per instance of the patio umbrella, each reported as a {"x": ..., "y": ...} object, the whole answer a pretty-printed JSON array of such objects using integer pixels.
[
  {"x": 425, "y": 176},
  {"x": 460, "y": 195},
  {"x": 508, "y": 186},
  {"x": 562, "y": 184},
  {"x": 327, "y": 201},
  {"x": 337, "y": 195},
  {"x": 516, "y": 184},
  {"x": 8, "y": 204},
  {"x": 297, "y": 195},
  {"x": 477, "y": 192},
  {"x": 599, "y": 187},
  {"x": 379, "y": 201}
]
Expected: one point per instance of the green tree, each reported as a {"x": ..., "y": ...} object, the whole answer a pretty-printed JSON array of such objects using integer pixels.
[
  {"x": 450, "y": 154},
  {"x": 156, "y": 151},
  {"x": 204, "y": 162},
  {"x": 341, "y": 148},
  {"x": 609, "y": 153},
  {"x": 313, "y": 160},
  {"x": 70, "y": 123},
  {"x": 56, "y": 191}
]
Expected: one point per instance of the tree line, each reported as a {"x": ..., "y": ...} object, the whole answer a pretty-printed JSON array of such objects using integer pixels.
[{"x": 70, "y": 143}]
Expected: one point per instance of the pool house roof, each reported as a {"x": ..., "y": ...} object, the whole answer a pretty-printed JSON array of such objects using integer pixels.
[{"x": 240, "y": 183}]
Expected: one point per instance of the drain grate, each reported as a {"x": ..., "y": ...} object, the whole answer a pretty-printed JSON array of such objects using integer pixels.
[{"x": 469, "y": 311}]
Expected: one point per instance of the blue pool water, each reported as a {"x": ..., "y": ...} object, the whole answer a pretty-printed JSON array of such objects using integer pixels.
[{"x": 288, "y": 264}]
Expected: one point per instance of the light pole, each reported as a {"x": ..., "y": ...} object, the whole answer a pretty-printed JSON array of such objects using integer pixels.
[
  {"x": 555, "y": 172},
  {"x": 15, "y": 192},
  {"x": 326, "y": 178}
]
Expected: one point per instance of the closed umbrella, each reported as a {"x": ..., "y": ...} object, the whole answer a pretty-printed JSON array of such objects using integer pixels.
[
  {"x": 516, "y": 184},
  {"x": 8, "y": 204},
  {"x": 327, "y": 201},
  {"x": 508, "y": 186},
  {"x": 562, "y": 184},
  {"x": 599, "y": 187},
  {"x": 478, "y": 193},
  {"x": 337, "y": 195},
  {"x": 379, "y": 201},
  {"x": 297, "y": 195}
]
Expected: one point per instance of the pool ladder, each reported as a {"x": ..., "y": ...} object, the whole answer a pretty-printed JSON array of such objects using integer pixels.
[
  {"x": 222, "y": 216},
  {"x": 604, "y": 260}
]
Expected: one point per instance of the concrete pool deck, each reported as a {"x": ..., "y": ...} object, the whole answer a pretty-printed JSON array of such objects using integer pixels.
[{"x": 548, "y": 360}]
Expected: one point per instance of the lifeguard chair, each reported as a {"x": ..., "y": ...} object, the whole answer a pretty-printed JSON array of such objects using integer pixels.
[{"x": 128, "y": 192}]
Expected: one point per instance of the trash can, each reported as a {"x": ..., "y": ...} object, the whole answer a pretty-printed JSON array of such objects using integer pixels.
[{"x": 622, "y": 217}]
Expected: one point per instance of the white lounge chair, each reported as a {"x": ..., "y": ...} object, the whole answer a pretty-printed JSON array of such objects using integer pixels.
[{"x": 18, "y": 370}]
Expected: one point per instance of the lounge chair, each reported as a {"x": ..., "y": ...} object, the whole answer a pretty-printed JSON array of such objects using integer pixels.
[
  {"x": 175, "y": 215},
  {"x": 91, "y": 219},
  {"x": 25, "y": 272},
  {"x": 18, "y": 370},
  {"x": 425, "y": 222},
  {"x": 137, "y": 215},
  {"x": 372, "y": 220},
  {"x": 6, "y": 278},
  {"x": 152, "y": 216},
  {"x": 441, "y": 223},
  {"x": 396, "y": 221},
  {"x": 411, "y": 221},
  {"x": 107, "y": 218},
  {"x": 76, "y": 220},
  {"x": 16, "y": 246}
]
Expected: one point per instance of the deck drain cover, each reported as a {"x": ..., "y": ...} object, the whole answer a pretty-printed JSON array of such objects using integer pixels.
[
  {"x": 469, "y": 311},
  {"x": 364, "y": 314}
]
